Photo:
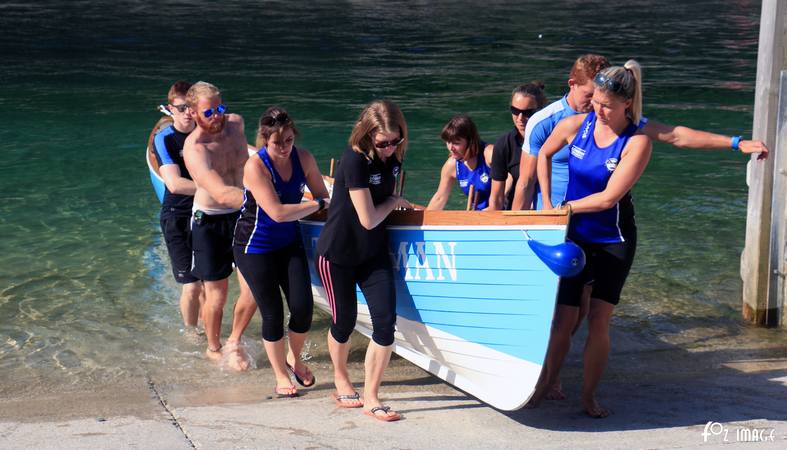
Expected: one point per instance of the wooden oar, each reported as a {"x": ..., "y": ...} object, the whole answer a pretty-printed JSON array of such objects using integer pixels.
[
  {"x": 330, "y": 171},
  {"x": 470, "y": 199},
  {"x": 400, "y": 184}
]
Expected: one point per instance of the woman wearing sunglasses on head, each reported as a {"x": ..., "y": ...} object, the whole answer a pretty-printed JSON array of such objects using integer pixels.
[
  {"x": 526, "y": 100},
  {"x": 268, "y": 247},
  {"x": 468, "y": 163},
  {"x": 353, "y": 249},
  {"x": 608, "y": 154}
]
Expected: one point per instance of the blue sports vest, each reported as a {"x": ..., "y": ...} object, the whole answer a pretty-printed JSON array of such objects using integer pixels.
[
  {"x": 479, "y": 178},
  {"x": 255, "y": 231},
  {"x": 590, "y": 168}
]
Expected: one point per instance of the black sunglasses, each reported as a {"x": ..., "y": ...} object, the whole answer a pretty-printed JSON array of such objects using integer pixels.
[
  {"x": 526, "y": 112},
  {"x": 281, "y": 118},
  {"x": 385, "y": 144},
  {"x": 608, "y": 84},
  {"x": 181, "y": 108}
]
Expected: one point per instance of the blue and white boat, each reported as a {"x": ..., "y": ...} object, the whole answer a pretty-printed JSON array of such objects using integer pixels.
[{"x": 474, "y": 302}]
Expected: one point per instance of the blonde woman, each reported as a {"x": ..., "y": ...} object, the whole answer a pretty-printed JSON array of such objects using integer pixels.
[{"x": 353, "y": 249}]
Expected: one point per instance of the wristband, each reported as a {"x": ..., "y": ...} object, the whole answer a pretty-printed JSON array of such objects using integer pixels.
[
  {"x": 736, "y": 140},
  {"x": 320, "y": 203}
]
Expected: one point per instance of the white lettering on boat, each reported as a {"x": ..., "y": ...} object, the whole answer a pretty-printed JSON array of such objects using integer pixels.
[{"x": 441, "y": 259}]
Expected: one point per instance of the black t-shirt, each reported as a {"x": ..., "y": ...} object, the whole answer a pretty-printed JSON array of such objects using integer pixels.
[
  {"x": 344, "y": 240},
  {"x": 505, "y": 160},
  {"x": 169, "y": 150}
]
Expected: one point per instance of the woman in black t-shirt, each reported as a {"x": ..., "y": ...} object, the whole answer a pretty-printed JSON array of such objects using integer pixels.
[{"x": 353, "y": 249}]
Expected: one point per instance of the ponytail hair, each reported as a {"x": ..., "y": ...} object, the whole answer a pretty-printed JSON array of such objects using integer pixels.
[{"x": 624, "y": 82}]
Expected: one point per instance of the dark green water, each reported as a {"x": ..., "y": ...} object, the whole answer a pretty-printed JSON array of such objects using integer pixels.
[{"x": 85, "y": 290}]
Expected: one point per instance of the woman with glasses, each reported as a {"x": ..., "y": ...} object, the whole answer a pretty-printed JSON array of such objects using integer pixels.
[
  {"x": 468, "y": 163},
  {"x": 526, "y": 100},
  {"x": 608, "y": 154},
  {"x": 268, "y": 247},
  {"x": 353, "y": 249}
]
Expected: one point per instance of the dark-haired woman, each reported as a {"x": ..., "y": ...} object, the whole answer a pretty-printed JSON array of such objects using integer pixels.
[
  {"x": 526, "y": 100},
  {"x": 268, "y": 247},
  {"x": 353, "y": 250},
  {"x": 608, "y": 154},
  {"x": 468, "y": 163}
]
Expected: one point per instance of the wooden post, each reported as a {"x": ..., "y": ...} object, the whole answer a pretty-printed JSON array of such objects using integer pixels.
[
  {"x": 778, "y": 268},
  {"x": 470, "y": 195},
  {"x": 755, "y": 261}
]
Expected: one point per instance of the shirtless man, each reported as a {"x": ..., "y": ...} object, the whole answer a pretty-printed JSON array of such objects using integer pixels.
[{"x": 215, "y": 154}]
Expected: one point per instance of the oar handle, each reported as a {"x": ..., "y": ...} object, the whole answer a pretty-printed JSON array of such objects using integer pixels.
[
  {"x": 330, "y": 170},
  {"x": 470, "y": 195}
]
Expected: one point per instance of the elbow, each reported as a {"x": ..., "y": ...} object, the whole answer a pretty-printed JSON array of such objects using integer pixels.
[{"x": 367, "y": 224}]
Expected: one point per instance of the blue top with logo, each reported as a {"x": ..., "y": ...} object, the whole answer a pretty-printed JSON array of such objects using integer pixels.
[
  {"x": 478, "y": 177},
  {"x": 255, "y": 231},
  {"x": 537, "y": 130},
  {"x": 591, "y": 167}
]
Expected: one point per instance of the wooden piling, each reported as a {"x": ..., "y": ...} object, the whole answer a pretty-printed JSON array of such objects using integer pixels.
[{"x": 756, "y": 269}]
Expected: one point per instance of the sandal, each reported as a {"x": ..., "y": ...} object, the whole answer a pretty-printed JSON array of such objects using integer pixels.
[
  {"x": 385, "y": 417},
  {"x": 301, "y": 378},
  {"x": 343, "y": 401}
]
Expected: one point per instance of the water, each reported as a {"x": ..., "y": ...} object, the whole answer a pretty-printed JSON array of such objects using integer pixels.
[{"x": 85, "y": 290}]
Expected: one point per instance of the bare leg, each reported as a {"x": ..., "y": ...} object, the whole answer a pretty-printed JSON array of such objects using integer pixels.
[
  {"x": 276, "y": 355},
  {"x": 341, "y": 376},
  {"x": 377, "y": 358},
  {"x": 556, "y": 390},
  {"x": 559, "y": 345},
  {"x": 294, "y": 355},
  {"x": 596, "y": 355},
  {"x": 190, "y": 303},
  {"x": 242, "y": 312},
  {"x": 202, "y": 303},
  {"x": 215, "y": 298}
]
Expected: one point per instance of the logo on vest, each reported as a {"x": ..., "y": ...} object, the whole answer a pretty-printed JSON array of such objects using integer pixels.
[
  {"x": 376, "y": 178},
  {"x": 577, "y": 152},
  {"x": 303, "y": 188},
  {"x": 611, "y": 164},
  {"x": 484, "y": 178},
  {"x": 586, "y": 130},
  {"x": 396, "y": 170}
]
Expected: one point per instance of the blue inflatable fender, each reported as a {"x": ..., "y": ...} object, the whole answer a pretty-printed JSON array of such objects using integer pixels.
[{"x": 565, "y": 260}]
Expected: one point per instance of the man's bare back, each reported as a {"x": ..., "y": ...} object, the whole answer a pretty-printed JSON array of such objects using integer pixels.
[{"x": 218, "y": 161}]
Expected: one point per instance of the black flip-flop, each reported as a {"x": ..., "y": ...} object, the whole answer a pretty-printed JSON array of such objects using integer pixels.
[{"x": 298, "y": 378}]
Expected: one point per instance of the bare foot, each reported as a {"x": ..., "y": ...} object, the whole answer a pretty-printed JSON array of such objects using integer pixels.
[
  {"x": 235, "y": 357},
  {"x": 538, "y": 396},
  {"x": 302, "y": 374},
  {"x": 285, "y": 391},
  {"x": 593, "y": 409},
  {"x": 213, "y": 355},
  {"x": 555, "y": 392},
  {"x": 384, "y": 413}
]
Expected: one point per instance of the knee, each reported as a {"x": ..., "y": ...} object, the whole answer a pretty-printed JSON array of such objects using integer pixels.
[
  {"x": 383, "y": 330},
  {"x": 272, "y": 329},
  {"x": 300, "y": 319},
  {"x": 342, "y": 328}
]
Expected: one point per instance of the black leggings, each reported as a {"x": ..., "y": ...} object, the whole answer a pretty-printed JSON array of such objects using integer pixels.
[
  {"x": 265, "y": 273},
  {"x": 376, "y": 281}
]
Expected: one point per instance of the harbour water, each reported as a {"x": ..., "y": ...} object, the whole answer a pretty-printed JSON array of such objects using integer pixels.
[{"x": 86, "y": 294}]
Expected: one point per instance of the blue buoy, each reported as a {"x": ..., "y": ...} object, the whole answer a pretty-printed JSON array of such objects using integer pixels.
[{"x": 565, "y": 260}]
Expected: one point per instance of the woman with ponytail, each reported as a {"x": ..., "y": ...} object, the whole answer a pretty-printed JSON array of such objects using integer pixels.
[{"x": 608, "y": 154}]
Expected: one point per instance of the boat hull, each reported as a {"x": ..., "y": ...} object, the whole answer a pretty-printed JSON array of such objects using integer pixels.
[{"x": 474, "y": 303}]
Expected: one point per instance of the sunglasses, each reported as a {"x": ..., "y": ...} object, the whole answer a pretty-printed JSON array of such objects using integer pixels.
[
  {"x": 211, "y": 111},
  {"x": 608, "y": 84},
  {"x": 386, "y": 144},
  {"x": 281, "y": 119},
  {"x": 526, "y": 112},
  {"x": 181, "y": 108}
]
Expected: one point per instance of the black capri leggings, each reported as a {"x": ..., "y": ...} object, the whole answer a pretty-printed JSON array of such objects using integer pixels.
[
  {"x": 376, "y": 281},
  {"x": 287, "y": 269}
]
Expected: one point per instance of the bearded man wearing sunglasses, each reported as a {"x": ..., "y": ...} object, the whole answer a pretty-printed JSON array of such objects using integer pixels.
[{"x": 215, "y": 153}]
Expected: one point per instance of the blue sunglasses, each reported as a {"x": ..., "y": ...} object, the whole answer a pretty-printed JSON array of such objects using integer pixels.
[{"x": 217, "y": 110}]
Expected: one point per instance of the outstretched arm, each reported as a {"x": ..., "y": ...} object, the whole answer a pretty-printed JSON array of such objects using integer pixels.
[
  {"x": 443, "y": 193},
  {"x": 685, "y": 137}
]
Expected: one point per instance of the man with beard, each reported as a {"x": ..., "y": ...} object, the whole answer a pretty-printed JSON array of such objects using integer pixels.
[{"x": 215, "y": 153}]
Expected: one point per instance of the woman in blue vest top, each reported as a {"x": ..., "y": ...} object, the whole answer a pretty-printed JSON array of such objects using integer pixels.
[
  {"x": 268, "y": 247},
  {"x": 469, "y": 159},
  {"x": 608, "y": 154}
]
